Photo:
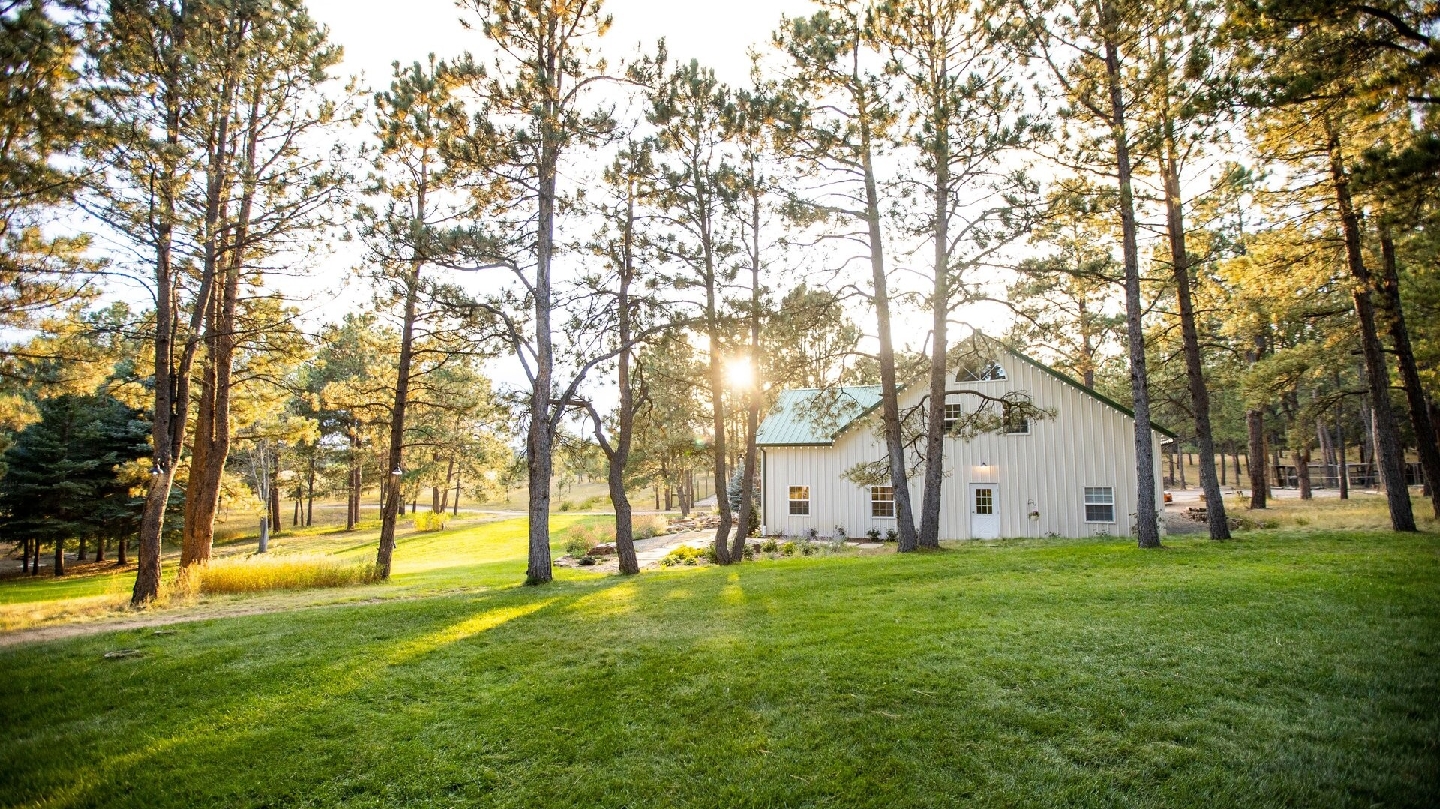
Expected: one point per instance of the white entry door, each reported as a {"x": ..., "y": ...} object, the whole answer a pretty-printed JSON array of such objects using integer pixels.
[{"x": 984, "y": 511}]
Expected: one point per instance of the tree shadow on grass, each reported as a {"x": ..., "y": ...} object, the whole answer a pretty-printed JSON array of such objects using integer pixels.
[{"x": 221, "y": 684}]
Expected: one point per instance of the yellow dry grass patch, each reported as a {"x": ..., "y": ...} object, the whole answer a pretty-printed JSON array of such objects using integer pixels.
[
  {"x": 32, "y": 613},
  {"x": 253, "y": 574}
]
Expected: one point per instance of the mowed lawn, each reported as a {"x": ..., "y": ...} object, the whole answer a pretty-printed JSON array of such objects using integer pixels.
[{"x": 1279, "y": 669}]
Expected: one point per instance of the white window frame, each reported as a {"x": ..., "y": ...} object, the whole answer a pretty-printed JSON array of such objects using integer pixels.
[
  {"x": 950, "y": 421},
  {"x": 874, "y": 490},
  {"x": 1005, "y": 420},
  {"x": 1097, "y": 492},
  {"x": 794, "y": 501}
]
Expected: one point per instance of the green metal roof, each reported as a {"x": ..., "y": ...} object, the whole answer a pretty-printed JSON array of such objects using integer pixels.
[{"x": 813, "y": 416}]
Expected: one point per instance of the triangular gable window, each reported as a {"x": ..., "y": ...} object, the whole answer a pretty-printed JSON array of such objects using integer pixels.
[{"x": 980, "y": 370}]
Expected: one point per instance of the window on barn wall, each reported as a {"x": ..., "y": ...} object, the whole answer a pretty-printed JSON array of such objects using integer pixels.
[
  {"x": 980, "y": 370},
  {"x": 882, "y": 501},
  {"x": 1015, "y": 421},
  {"x": 954, "y": 411},
  {"x": 799, "y": 500},
  {"x": 1099, "y": 504}
]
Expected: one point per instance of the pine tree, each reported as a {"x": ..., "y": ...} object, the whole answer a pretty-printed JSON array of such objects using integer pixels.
[
  {"x": 263, "y": 190},
  {"x": 62, "y": 478},
  {"x": 967, "y": 113},
  {"x": 693, "y": 188},
  {"x": 545, "y": 67},
  {"x": 42, "y": 122},
  {"x": 621, "y": 244},
  {"x": 1324, "y": 89},
  {"x": 1089, "y": 48},
  {"x": 416, "y": 120},
  {"x": 848, "y": 114}
]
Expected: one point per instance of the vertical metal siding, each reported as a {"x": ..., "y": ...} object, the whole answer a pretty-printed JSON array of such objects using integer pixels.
[{"x": 1087, "y": 443}]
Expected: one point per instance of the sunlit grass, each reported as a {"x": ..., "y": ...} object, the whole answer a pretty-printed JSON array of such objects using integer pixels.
[
  {"x": 1285, "y": 668},
  {"x": 473, "y": 554},
  {"x": 1362, "y": 512}
]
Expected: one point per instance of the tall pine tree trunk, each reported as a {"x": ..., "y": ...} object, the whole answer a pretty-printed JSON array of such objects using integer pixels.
[
  {"x": 1215, "y": 515},
  {"x": 211, "y": 442},
  {"x": 223, "y": 251},
  {"x": 889, "y": 385},
  {"x": 171, "y": 408},
  {"x": 540, "y": 435},
  {"x": 752, "y": 397},
  {"x": 1147, "y": 515},
  {"x": 1389, "y": 454},
  {"x": 929, "y": 535},
  {"x": 618, "y": 455},
  {"x": 1425, "y": 442},
  {"x": 394, "y": 459},
  {"x": 718, "y": 415}
]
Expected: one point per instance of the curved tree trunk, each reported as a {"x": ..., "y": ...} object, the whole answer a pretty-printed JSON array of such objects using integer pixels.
[
  {"x": 752, "y": 409},
  {"x": 717, "y": 409},
  {"x": 165, "y": 433}
]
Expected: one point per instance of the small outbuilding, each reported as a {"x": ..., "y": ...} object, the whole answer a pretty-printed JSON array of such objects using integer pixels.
[{"x": 1029, "y": 452}]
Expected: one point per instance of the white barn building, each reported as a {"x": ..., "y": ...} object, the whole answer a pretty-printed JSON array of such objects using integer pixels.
[{"x": 1069, "y": 471}]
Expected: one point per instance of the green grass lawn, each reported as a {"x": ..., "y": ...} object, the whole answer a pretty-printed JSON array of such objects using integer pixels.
[
  {"x": 473, "y": 554},
  {"x": 1280, "y": 669}
]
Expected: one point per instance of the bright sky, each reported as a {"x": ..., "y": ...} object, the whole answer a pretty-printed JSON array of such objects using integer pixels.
[
  {"x": 375, "y": 34},
  {"x": 378, "y": 32}
]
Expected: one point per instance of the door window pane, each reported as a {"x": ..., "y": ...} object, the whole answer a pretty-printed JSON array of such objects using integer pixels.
[{"x": 984, "y": 501}]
